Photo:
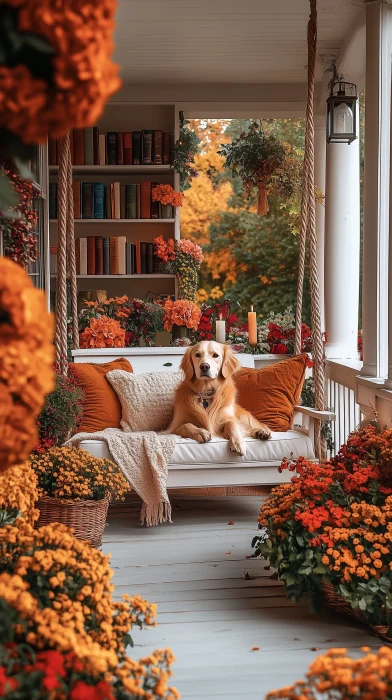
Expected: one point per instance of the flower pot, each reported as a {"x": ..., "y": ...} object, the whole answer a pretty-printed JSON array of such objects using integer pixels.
[
  {"x": 179, "y": 332},
  {"x": 166, "y": 211},
  {"x": 163, "y": 339},
  {"x": 87, "y": 518},
  {"x": 262, "y": 199}
]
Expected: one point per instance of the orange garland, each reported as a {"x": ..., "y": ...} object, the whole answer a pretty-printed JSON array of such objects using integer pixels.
[{"x": 80, "y": 33}]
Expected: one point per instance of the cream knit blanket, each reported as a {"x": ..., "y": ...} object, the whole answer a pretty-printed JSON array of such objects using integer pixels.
[{"x": 143, "y": 459}]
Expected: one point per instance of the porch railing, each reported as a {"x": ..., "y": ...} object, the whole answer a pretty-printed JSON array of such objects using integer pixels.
[{"x": 341, "y": 399}]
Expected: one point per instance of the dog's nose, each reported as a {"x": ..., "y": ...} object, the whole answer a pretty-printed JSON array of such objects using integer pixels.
[{"x": 204, "y": 367}]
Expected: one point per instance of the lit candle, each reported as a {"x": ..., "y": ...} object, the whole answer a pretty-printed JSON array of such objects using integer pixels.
[
  {"x": 252, "y": 326},
  {"x": 220, "y": 330}
]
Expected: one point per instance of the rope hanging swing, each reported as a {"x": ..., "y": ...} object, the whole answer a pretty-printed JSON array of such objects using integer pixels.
[
  {"x": 65, "y": 257},
  {"x": 308, "y": 235}
]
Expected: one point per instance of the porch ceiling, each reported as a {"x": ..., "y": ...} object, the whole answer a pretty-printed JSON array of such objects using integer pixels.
[{"x": 226, "y": 41}]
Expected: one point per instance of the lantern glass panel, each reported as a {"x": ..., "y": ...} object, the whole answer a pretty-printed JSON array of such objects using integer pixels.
[{"x": 343, "y": 119}]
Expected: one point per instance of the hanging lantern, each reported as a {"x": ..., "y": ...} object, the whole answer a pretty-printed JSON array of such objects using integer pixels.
[{"x": 342, "y": 113}]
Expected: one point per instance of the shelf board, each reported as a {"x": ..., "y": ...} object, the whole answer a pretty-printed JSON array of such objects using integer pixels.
[
  {"x": 118, "y": 221},
  {"x": 115, "y": 169}
]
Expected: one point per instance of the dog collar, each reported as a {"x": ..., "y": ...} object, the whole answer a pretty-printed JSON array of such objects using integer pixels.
[{"x": 207, "y": 398}]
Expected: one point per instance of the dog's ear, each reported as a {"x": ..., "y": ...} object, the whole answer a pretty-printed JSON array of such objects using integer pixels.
[
  {"x": 230, "y": 363},
  {"x": 187, "y": 364}
]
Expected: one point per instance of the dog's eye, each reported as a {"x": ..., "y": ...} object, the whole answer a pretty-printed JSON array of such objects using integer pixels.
[
  {"x": 197, "y": 354},
  {"x": 215, "y": 354}
]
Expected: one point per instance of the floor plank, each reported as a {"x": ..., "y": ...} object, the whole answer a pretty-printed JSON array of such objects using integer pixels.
[{"x": 214, "y": 607}]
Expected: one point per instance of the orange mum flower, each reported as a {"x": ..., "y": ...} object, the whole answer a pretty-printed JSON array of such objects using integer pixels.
[
  {"x": 103, "y": 332},
  {"x": 166, "y": 195},
  {"x": 26, "y": 362},
  {"x": 83, "y": 76},
  {"x": 164, "y": 250},
  {"x": 181, "y": 313}
]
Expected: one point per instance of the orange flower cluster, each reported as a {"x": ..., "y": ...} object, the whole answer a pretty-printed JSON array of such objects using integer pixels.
[
  {"x": 181, "y": 313},
  {"x": 166, "y": 195},
  {"x": 26, "y": 362},
  {"x": 19, "y": 492},
  {"x": 164, "y": 250},
  {"x": 83, "y": 75},
  {"x": 103, "y": 332},
  {"x": 69, "y": 473},
  {"x": 337, "y": 676}
]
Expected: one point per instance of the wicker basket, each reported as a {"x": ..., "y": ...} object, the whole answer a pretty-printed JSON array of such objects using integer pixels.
[
  {"x": 336, "y": 602},
  {"x": 87, "y": 518}
]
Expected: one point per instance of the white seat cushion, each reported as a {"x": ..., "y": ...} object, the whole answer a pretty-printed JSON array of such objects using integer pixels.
[{"x": 190, "y": 453}]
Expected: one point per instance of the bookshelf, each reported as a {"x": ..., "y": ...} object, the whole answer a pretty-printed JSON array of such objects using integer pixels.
[{"x": 127, "y": 117}]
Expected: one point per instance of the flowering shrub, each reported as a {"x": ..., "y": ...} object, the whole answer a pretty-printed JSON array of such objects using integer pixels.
[
  {"x": 18, "y": 494},
  {"x": 336, "y": 676},
  {"x": 181, "y": 313},
  {"x": 276, "y": 334},
  {"x": 166, "y": 195},
  {"x": 19, "y": 242},
  {"x": 66, "y": 472},
  {"x": 103, "y": 332},
  {"x": 139, "y": 319},
  {"x": 182, "y": 258},
  {"x": 333, "y": 524},
  {"x": 210, "y": 313},
  {"x": 26, "y": 358},
  {"x": 62, "y": 412}
]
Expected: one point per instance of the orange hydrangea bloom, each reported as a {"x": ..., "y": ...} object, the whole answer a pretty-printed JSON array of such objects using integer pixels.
[
  {"x": 181, "y": 313},
  {"x": 83, "y": 75},
  {"x": 166, "y": 195},
  {"x": 26, "y": 362},
  {"x": 164, "y": 250},
  {"x": 103, "y": 332}
]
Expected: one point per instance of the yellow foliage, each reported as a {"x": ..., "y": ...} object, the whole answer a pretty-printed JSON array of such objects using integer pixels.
[
  {"x": 216, "y": 293},
  {"x": 202, "y": 205}
]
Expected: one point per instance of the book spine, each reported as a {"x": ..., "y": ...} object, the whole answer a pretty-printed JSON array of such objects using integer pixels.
[
  {"x": 98, "y": 255},
  {"x": 88, "y": 145},
  {"x": 137, "y": 148},
  {"x": 91, "y": 255},
  {"x": 122, "y": 266},
  {"x": 117, "y": 209},
  {"x": 83, "y": 256},
  {"x": 150, "y": 258},
  {"x": 127, "y": 146},
  {"x": 156, "y": 264},
  {"x": 145, "y": 199},
  {"x": 106, "y": 256},
  {"x": 157, "y": 148},
  {"x": 113, "y": 245},
  {"x": 154, "y": 205},
  {"x": 143, "y": 257},
  {"x": 78, "y": 140},
  {"x": 138, "y": 201},
  {"x": 112, "y": 147},
  {"x": 128, "y": 256},
  {"x": 122, "y": 202},
  {"x": 87, "y": 200},
  {"x": 52, "y": 200},
  {"x": 130, "y": 201},
  {"x": 96, "y": 138},
  {"x": 171, "y": 148},
  {"x": 77, "y": 255},
  {"x": 99, "y": 200},
  {"x": 138, "y": 258},
  {"x": 147, "y": 147},
  {"x": 108, "y": 201},
  {"x": 120, "y": 148},
  {"x": 165, "y": 148},
  {"x": 52, "y": 151},
  {"x": 102, "y": 149},
  {"x": 76, "y": 199}
]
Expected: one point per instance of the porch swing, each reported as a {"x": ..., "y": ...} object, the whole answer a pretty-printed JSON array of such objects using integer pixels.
[{"x": 208, "y": 465}]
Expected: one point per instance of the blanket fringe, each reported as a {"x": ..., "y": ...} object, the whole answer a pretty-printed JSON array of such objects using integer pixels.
[{"x": 153, "y": 515}]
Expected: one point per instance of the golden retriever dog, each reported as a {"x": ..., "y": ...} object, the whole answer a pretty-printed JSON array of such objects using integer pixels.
[{"x": 205, "y": 401}]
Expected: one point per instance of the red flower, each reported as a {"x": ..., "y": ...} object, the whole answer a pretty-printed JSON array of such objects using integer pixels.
[{"x": 82, "y": 691}]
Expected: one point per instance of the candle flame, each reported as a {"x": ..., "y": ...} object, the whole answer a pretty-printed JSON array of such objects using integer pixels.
[
  {"x": 251, "y": 307},
  {"x": 220, "y": 317}
]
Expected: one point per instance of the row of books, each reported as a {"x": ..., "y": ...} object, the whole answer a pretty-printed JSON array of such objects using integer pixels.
[
  {"x": 97, "y": 200},
  {"x": 90, "y": 147},
  {"x": 98, "y": 255}
]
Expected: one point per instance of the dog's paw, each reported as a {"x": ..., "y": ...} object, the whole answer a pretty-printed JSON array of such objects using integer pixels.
[
  {"x": 202, "y": 435},
  {"x": 237, "y": 445},
  {"x": 262, "y": 433}
]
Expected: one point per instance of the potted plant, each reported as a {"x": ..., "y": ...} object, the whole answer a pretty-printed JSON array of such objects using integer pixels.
[
  {"x": 75, "y": 488},
  {"x": 167, "y": 198},
  {"x": 182, "y": 258},
  {"x": 254, "y": 156},
  {"x": 62, "y": 412},
  {"x": 180, "y": 317}
]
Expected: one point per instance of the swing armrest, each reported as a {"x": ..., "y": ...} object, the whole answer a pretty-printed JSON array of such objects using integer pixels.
[{"x": 313, "y": 413}]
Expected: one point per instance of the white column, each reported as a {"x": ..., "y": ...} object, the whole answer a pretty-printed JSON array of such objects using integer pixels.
[
  {"x": 342, "y": 250},
  {"x": 388, "y": 382},
  {"x": 376, "y": 190},
  {"x": 319, "y": 179}
]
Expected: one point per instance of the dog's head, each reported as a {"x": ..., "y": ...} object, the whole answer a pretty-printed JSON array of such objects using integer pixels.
[{"x": 209, "y": 360}]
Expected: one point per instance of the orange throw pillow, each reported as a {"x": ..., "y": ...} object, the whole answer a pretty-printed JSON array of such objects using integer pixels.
[
  {"x": 101, "y": 408},
  {"x": 271, "y": 393}
]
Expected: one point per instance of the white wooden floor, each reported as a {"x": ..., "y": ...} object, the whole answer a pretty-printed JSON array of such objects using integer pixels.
[{"x": 214, "y": 605}]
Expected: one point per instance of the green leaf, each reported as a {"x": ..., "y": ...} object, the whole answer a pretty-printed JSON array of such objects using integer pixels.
[
  {"x": 305, "y": 570},
  {"x": 23, "y": 169},
  {"x": 168, "y": 364},
  {"x": 8, "y": 196},
  {"x": 36, "y": 42},
  {"x": 320, "y": 569},
  {"x": 289, "y": 579},
  {"x": 362, "y": 604}
]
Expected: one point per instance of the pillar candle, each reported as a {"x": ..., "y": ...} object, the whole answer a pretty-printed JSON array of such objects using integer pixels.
[
  {"x": 252, "y": 326},
  {"x": 220, "y": 330}
]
